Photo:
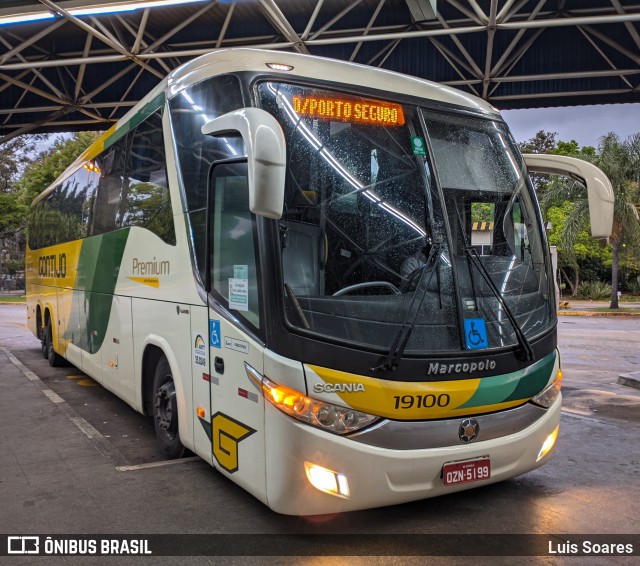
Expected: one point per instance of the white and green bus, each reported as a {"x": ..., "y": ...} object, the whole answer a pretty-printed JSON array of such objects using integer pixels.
[{"x": 277, "y": 257}]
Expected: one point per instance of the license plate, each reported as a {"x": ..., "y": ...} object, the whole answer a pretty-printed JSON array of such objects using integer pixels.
[{"x": 465, "y": 472}]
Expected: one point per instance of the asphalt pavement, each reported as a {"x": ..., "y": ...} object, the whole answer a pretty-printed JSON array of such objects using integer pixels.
[{"x": 74, "y": 459}]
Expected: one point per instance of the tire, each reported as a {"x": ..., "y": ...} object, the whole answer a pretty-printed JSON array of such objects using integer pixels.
[
  {"x": 165, "y": 412},
  {"x": 42, "y": 334},
  {"x": 54, "y": 359}
]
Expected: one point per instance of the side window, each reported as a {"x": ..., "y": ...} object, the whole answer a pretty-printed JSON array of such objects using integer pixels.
[
  {"x": 190, "y": 110},
  {"x": 234, "y": 272},
  {"x": 144, "y": 199},
  {"x": 107, "y": 200}
]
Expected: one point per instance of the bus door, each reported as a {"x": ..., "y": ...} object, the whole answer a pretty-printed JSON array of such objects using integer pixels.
[{"x": 237, "y": 406}]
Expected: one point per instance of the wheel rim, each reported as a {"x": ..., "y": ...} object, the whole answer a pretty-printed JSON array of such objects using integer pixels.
[{"x": 166, "y": 410}]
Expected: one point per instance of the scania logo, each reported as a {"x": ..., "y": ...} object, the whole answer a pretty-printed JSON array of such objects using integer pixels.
[
  {"x": 438, "y": 368},
  {"x": 338, "y": 387},
  {"x": 468, "y": 431}
]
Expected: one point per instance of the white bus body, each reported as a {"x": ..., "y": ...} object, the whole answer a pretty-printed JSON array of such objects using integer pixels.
[{"x": 231, "y": 258}]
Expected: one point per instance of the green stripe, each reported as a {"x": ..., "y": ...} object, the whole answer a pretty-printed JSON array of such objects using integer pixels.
[
  {"x": 521, "y": 384},
  {"x": 98, "y": 268},
  {"x": 139, "y": 116}
]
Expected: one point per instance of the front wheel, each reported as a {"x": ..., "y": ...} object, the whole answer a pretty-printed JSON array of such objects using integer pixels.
[{"x": 165, "y": 412}]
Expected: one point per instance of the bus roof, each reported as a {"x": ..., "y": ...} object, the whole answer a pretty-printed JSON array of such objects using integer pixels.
[{"x": 225, "y": 61}]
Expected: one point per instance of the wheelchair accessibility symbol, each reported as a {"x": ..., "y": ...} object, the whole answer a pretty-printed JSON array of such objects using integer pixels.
[{"x": 475, "y": 331}]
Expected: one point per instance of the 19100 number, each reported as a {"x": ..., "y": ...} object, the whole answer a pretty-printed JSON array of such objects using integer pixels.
[{"x": 421, "y": 401}]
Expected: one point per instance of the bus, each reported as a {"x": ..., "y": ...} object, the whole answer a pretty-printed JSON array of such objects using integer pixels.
[{"x": 276, "y": 257}]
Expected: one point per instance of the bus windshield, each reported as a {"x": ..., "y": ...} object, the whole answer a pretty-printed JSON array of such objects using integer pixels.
[{"x": 399, "y": 216}]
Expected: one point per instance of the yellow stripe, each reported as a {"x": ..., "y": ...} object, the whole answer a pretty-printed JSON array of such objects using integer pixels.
[{"x": 406, "y": 400}]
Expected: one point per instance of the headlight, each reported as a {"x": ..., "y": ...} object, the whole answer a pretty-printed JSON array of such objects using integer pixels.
[
  {"x": 550, "y": 393},
  {"x": 326, "y": 416}
]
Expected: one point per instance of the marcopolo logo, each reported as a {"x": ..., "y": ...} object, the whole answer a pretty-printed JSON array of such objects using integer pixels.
[
  {"x": 438, "y": 368},
  {"x": 54, "y": 265}
]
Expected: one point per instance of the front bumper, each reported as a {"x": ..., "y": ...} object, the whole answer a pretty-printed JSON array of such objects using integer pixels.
[{"x": 380, "y": 476}]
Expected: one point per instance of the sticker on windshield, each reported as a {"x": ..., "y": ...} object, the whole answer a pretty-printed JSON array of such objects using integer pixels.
[
  {"x": 418, "y": 146},
  {"x": 239, "y": 288},
  {"x": 475, "y": 331}
]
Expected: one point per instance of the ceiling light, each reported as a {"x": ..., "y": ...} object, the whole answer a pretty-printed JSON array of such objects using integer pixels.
[{"x": 93, "y": 9}]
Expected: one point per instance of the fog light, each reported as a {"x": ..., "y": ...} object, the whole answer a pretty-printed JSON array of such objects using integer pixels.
[
  {"x": 548, "y": 444},
  {"x": 327, "y": 480}
]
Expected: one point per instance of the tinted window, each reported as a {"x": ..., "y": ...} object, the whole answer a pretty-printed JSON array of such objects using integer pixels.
[
  {"x": 126, "y": 185},
  {"x": 144, "y": 199},
  {"x": 107, "y": 200},
  {"x": 190, "y": 110}
]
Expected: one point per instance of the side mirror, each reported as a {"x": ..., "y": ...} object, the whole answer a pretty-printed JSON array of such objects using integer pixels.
[
  {"x": 266, "y": 155},
  {"x": 598, "y": 186}
]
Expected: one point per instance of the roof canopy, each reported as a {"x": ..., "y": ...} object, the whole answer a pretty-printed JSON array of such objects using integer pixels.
[{"x": 81, "y": 64}]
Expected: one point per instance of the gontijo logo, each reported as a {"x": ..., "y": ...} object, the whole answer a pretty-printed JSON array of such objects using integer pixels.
[{"x": 54, "y": 265}]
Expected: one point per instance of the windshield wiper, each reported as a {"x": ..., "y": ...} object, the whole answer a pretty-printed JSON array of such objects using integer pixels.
[
  {"x": 403, "y": 335},
  {"x": 527, "y": 351}
]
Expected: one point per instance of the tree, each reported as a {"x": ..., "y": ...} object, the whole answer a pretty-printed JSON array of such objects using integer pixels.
[
  {"x": 50, "y": 164},
  {"x": 25, "y": 174},
  {"x": 620, "y": 161}
]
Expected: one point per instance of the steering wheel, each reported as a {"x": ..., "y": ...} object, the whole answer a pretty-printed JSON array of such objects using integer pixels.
[{"x": 366, "y": 285}]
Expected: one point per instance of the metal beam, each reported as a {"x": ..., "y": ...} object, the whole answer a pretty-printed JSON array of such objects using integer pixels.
[
  {"x": 491, "y": 32},
  {"x": 464, "y": 10},
  {"x": 225, "y": 25},
  {"x": 83, "y": 67},
  {"x": 389, "y": 52},
  {"x": 476, "y": 70},
  {"x": 602, "y": 54},
  {"x": 451, "y": 59},
  {"x": 280, "y": 22},
  {"x": 87, "y": 28},
  {"x": 141, "y": 28},
  {"x": 29, "y": 127},
  {"x": 312, "y": 20},
  {"x": 519, "y": 55},
  {"x": 564, "y": 94},
  {"x": 367, "y": 29},
  {"x": 35, "y": 71},
  {"x": 498, "y": 66},
  {"x": 445, "y": 52},
  {"x": 136, "y": 35},
  {"x": 635, "y": 58},
  {"x": 574, "y": 21},
  {"x": 53, "y": 108},
  {"x": 179, "y": 27},
  {"x": 632, "y": 31},
  {"x": 508, "y": 15},
  {"x": 478, "y": 10},
  {"x": 336, "y": 18},
  {"x": 32, "y": 39}
]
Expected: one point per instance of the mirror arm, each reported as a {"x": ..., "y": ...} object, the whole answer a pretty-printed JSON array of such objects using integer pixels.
[
  {"x": 266, "y": 154},
  {"x": 598, "y": 186}
]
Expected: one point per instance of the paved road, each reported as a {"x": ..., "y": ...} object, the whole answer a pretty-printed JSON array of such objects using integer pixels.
[{"x": 62, "y": 476}]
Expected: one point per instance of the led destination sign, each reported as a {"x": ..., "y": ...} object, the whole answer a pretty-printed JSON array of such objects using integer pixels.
[{"x": 370, "y": 112}]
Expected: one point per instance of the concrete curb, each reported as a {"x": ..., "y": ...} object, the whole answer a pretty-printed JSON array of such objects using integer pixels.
[
  {"x": 630, "y": 379},
  {"x": 592, "y": 313}
]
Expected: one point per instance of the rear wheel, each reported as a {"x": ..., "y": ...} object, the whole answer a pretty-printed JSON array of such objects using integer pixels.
[
  {"x": 54, "y": 359},
  {"x": 42, "y": 334},
  {"x": 165, "y": 411}
]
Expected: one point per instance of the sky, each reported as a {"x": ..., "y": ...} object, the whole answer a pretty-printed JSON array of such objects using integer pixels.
[{"x": 584, "y": 124}]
